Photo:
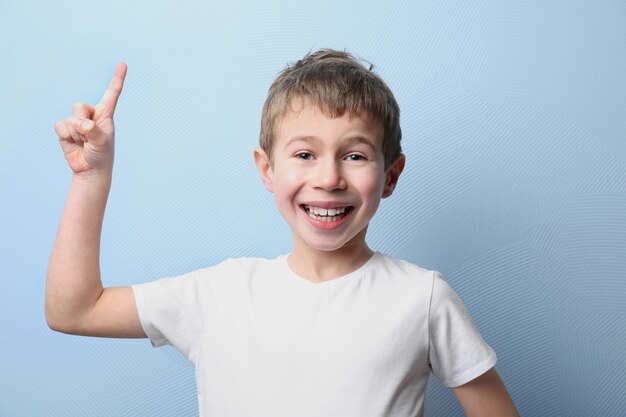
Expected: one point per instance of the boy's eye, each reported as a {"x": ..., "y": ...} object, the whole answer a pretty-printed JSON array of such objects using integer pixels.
[
  {"x": 305, "y": 156},
  {"x": 355, "y": 157}
]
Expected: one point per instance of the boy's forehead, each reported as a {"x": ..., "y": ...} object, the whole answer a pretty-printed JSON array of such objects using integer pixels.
[{"x": 303, "y": 114}]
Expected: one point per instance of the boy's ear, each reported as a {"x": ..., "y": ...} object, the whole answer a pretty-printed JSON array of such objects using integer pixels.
[
  {"x": 392, "y": 175},
  {"x": 262, "y": 163}
]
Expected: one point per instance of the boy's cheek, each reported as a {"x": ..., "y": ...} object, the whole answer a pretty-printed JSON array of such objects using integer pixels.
[{"x": 287, "y": 178}]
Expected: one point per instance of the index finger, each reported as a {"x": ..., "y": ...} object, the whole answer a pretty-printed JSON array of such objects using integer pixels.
[{"x": 108, "y": 102}]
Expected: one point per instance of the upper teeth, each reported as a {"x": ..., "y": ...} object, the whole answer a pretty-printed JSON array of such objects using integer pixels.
[{"x": 325, "y": 212}]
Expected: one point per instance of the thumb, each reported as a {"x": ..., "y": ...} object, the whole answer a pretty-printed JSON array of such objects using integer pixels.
[{"x": 88, "y": 130}]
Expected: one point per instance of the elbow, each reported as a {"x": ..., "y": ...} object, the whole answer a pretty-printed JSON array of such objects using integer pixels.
[
  {"x": 51, "y": 320},
  {"x": 56, "y": 322}
]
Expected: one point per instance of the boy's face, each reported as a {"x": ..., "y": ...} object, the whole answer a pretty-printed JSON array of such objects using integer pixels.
[{"x": 327, "y": 176}]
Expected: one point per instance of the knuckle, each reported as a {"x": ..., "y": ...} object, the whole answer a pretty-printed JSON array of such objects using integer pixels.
[
  {"x": 62, "y": 131},
  {"x": 73, "y": 121},
  {"x": 71, "y": 131}
]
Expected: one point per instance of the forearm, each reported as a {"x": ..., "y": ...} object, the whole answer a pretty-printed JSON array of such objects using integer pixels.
[{"x": 73, "y": 283}]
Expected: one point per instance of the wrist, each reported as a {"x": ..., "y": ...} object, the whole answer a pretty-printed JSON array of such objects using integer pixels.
[{"x": 93, "y": 178}]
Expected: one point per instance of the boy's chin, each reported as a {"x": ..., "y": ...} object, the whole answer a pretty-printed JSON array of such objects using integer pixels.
[
  {"x": 334, "y": 245},
  {"x": 328, "y": 248}
]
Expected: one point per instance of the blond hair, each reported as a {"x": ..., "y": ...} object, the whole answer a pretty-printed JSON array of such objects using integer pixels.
[{"x": 336, "y": 82}]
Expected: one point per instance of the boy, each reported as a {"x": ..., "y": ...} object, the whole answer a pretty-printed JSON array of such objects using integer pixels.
[{"x": 333, "y": 328}]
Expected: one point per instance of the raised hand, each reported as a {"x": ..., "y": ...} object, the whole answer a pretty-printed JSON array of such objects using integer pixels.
[{"x": 87, "y": 137}]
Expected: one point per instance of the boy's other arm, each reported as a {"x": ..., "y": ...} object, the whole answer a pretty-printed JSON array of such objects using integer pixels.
[
  {"x": 76, "y": 301},
  {"x": 486, "y": 396}
]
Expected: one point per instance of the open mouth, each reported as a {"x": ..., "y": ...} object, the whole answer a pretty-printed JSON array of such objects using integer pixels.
[{"x": 327, "y": 214}]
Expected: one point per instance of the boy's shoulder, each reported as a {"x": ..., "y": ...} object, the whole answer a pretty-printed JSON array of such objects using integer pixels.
[{"x": 404, "y": 265}]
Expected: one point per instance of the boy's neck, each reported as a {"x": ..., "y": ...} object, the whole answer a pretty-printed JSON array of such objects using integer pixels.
[{"x": 319, "y": 266}]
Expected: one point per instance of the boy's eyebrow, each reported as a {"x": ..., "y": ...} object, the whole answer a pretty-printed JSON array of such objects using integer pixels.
[{"x": 350, "y": 140}]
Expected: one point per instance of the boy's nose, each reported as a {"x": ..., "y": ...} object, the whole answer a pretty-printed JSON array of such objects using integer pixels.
[{"x": 328, "y": 176}]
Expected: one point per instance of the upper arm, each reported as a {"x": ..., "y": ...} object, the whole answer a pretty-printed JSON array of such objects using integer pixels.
[
  {"x": 457, "y": 351},
  {"x": 113, "y": 315},
  {"x": 485, "y": 395}
]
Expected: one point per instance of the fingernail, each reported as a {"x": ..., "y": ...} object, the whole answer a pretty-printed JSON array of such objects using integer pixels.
[{"x": 87, "y": 124}]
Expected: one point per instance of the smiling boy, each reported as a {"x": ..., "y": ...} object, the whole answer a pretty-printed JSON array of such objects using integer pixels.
[
  {"x": 331, "y": 329},
  {"x": 328, "y": 176}
]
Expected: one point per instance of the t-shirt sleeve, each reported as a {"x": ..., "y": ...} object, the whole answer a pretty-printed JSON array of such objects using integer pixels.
[
  {"x": 176, "y": 310},
  {"x": 457, "y": 351}
]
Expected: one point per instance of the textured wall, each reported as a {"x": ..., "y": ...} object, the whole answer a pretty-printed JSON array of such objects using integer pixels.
[{"x": 515, "y": 186}]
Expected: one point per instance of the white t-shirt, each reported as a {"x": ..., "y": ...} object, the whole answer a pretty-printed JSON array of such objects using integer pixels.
[{"x": 266, "y": 342}]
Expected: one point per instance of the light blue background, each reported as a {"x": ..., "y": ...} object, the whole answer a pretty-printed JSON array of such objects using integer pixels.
[{"x": 513, "y": 114}]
